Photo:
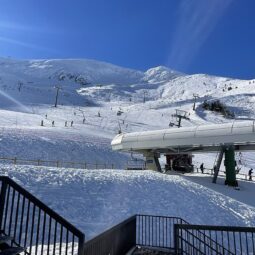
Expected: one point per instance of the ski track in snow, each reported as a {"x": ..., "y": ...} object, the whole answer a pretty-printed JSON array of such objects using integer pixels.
[{"x": 95, "y": 200}]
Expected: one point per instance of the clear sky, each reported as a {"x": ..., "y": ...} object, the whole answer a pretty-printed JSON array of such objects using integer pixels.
[{"x": 192, "y": 36}]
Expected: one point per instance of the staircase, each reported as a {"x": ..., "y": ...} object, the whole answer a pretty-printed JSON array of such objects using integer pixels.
[
  {"x": 29, "y": 226},
  {"x": 6, "y": 246}
]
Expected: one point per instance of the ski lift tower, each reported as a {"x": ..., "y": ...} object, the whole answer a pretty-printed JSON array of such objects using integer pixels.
[{"x": 179, "y": 115}]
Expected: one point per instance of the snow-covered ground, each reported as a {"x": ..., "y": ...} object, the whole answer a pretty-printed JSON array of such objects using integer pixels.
[
  {"x": 94, "y": 200},
  {"x": 101, "y": 99}
]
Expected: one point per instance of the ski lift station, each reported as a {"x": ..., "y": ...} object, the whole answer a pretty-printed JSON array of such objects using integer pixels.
[{"x": 178, "y": 143}]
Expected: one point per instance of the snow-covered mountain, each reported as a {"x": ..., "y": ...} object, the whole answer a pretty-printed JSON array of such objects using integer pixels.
[{"x": 100, "y": 99}]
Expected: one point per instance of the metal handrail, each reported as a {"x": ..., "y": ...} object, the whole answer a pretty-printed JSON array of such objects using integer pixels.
[
  {"x": 116, "y": 240},
  {"x": 208, "y": 239},
  {"x": 34, "y": 225}
]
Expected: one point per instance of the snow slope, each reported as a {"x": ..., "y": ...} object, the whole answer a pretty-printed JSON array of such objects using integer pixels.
[
  {"x": 101, "y": 99},
  {"x": 102, "y": 198}
]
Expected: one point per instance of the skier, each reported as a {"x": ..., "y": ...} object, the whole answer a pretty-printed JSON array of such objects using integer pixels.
[
  {"x": 250, "y": 174},
  {"x": 84, "y": 121},
  {"x": 202, "y": 168},
  {"x": 65, "y": 123},
  {"x": 71, "y": 123},
  {"x": 53, "y": 123}
]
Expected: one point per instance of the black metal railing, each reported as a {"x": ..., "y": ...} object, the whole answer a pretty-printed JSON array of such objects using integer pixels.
[
  {"x": 41, "y": 231},
  {"x": 115, "y": 241},
  {"x": 214, "y": 240},
  {"x": 33, "y": 225},
  {"x": 156, "y": 231},
  {"x": 139, "y": 230}
]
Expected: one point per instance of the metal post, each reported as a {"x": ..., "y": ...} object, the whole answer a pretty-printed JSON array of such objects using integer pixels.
[
  {"x": 56, "y": 99},
  {"x": 81, "y": 245},
  {"x": 230, "y": 167},
  {"x": 176, "y": 241},
  {"x": 2, "y": 202},
  {"x": 216, "y": 168}
]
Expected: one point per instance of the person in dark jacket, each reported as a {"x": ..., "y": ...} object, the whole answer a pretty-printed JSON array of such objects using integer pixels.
[
  {"x": 202, "y": 168},
  {"x": 250, "y": 174}
]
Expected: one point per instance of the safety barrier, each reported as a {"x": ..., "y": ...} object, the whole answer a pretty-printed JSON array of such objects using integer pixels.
[
  {"x": 57, "y": 163},
  {"x": 115, "y": 241},
  {"x": 214, "y": 240},
  {"x": 239, "y": 176},
  {"x": 156, "y": 231},
  {"x": 33, "y": 225}
]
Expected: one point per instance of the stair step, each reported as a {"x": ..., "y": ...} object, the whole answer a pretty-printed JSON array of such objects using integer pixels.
[
  {"x": 12, "y": 251},
  {"x": 4, "y": 239}
]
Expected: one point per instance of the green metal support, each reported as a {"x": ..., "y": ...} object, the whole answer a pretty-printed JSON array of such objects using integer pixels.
[{"x": 230, "y": 165}]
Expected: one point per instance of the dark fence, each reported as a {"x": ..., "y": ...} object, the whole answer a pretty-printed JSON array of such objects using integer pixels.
[
  {"x": 156, "y": 231},
  {"x": 139, "y": 230},
  {"x": 56, "y": 163},
  {"x": 239, "y": 176},
  {"x": 214, "y": 240},
  {"x": 115, "y": 241},
  {"x": 35, "y": 226}
]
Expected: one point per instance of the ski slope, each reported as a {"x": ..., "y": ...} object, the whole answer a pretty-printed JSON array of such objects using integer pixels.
[{"x": 101, "y": 99}]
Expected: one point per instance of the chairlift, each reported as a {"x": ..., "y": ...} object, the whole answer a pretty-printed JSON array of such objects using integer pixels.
[{"x": 119, "y": 112}]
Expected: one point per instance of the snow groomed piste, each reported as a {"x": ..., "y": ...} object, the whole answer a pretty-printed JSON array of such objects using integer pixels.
[{"x": 224, "y": 138}]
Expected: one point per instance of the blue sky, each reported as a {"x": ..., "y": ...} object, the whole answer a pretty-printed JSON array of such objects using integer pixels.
[{"x": 192, "y": 36}]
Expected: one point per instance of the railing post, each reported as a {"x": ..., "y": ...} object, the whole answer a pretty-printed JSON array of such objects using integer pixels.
[
  {"x": 81, "y": 245},
  {"x": 2, "y": 202},
  {"x": 176, "y": 241}
]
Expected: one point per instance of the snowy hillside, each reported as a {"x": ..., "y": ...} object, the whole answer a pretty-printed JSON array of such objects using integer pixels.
[{"x": 100, "y": 99}]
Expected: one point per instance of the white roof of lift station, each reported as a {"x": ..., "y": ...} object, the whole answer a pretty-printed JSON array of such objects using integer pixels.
[{"x": 236, "y": 133}]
